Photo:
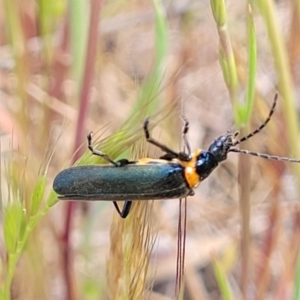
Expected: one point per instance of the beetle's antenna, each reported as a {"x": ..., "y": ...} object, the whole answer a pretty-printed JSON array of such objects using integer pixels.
[
  {"x": 262, "y": 155},
  {"x": 266, "y": 156},
  {"x": 243, "y": 139}
]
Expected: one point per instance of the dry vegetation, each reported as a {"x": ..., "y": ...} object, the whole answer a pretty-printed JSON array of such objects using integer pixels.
[{"x": 62, "y": 76}]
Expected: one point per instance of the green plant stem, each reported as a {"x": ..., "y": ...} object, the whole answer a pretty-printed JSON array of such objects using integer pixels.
[
  {"x": 226, "y": 55},
  {"x": 285, "y": 81},
  {"x": 12, "y": 260},
  {"x": 14, "y": 257}
]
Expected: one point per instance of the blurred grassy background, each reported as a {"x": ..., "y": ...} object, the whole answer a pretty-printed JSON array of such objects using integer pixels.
[{"x": 71, "y": 67}]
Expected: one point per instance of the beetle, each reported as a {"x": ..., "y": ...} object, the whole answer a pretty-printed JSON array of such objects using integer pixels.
[{"x": 174, "y": 175}]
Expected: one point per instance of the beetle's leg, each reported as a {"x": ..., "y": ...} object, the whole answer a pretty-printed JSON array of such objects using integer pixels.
[
  {"x": 180, "y": 155},
  {"x": 99, "y": 153},
  {"x": 125, "y": 209},
  {"x": 184, "y": 135}
]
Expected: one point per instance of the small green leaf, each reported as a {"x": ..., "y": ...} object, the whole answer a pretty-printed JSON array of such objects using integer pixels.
[
  {"x": 37, "y": 195},
  {"x": 52, "y": 199},
  {"x": 12, "y": 220}
]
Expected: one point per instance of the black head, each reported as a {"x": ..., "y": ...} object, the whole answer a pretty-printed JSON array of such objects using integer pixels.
[{"x": 222, "y": 145}]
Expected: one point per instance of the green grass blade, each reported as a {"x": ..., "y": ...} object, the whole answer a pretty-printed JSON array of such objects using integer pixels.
[
  {"x": 149, "y": 97},
  {"x": 78, "y": 29},
  {"x": 222, "y": 280},
  {"x": 245, "y": 109},
  {"x": 297, "y": 280},
  {"x": 285, "y": 81}
]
